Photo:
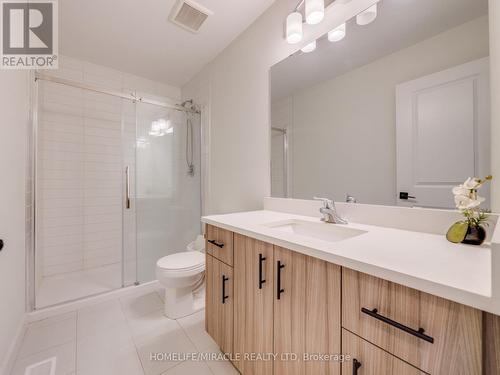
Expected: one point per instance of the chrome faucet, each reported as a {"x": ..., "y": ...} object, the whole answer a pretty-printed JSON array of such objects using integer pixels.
[{"x": 329, "y": 212}]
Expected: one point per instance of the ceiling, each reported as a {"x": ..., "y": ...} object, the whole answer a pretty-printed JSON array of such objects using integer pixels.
[
  {"x": 136, "y": 37},
  {"x": 400, "y": 24}
]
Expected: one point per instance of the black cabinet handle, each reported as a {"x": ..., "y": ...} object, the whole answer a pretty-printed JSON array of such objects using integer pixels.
[
  {"x": 420, "y": 333},
  {"x": 355, "y": 366},
  {"x": 224, "y": 297},
  {"x": 261, "y": 261},
  {"x": 279, "y": 289},
  {"x": 214, "y": 242},
  {"x": 1, "y": 245}
]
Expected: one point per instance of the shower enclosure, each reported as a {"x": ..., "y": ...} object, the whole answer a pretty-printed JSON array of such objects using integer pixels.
[{"x": 117, "y": 186}]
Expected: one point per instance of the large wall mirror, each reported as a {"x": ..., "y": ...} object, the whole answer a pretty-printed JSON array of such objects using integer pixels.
[{"x": 396, "y": 112}]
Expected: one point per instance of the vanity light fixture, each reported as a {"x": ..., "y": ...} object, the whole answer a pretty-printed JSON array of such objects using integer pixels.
[
  {"x": 294, "y": 28},
  {"x": 315, "y": 11},
  {"x": 367, "y": 16},
  {"x": 309, "y": 47},
  {"x": 337, "y": 34}
]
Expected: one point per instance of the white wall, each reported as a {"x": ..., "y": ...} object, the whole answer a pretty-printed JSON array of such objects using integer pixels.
[
  {"x": 13, "y": 125},
  {"x": 494, "y": 12},
  {"x": 238, "y": 96},
  {"x": 344, "y": 130}
]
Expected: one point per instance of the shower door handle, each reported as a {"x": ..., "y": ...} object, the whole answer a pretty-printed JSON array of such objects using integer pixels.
[{"x": 127, "y": 187}]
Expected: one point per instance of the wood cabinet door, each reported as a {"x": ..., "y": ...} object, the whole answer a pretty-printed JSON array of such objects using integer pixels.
[
  {"x": 253, "y": 305},
  {"x": 306, "y": 313},
  {"x": 219, "y": 303},
  {"x": 219, "y": 244},
  {"x": 382, "y": 312},
  {"x": 363, "y": 358}
]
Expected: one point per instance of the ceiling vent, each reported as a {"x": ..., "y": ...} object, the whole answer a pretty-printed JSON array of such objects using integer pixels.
[{"x": 189, "y": 15}]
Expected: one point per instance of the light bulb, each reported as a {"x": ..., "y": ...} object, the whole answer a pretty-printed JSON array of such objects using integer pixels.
[
  {"x": 294, "y": 28},
  {"x": 162, "y": 123},
  {"x": 155, "y": 128},
  {"x": 337, "y": 34},
  {"x": 367, "y": 16},
  {"x": 315, "y": 11},
  {"x": 309, "y": 47}
]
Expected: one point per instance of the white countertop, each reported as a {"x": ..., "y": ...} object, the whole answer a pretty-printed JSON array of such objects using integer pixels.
[{"x": 427, "y": 262}]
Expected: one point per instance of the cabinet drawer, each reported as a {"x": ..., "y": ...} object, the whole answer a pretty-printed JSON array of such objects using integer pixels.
[
  {"x": 370, "y": 360},
  {"x": 436, "y": 335},
  {"x": 219, "y": 244}
]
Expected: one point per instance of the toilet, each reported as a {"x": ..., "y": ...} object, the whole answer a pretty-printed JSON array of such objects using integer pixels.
[{"x": 183, "y": 277}]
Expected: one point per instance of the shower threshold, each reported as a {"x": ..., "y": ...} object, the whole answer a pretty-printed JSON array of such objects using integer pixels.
[{"x": 57, "y": 289}]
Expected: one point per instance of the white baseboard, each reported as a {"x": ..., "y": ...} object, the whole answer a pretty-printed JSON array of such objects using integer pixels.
[
  {"x": 75, "y": 305},
  {"x": 10, "y": 356}
]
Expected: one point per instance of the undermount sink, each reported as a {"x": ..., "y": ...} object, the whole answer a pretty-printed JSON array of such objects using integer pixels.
[{"x": 317, "y": 230}]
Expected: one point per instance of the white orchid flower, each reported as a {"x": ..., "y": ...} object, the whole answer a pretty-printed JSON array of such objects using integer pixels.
[
  {"x": 471, "y": 183},
  {"x": 460, "y": 190},
  {"x": 464, "y": 202}
]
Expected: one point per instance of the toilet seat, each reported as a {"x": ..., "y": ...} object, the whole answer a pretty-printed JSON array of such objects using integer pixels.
[{"x": 182, "y": 262}]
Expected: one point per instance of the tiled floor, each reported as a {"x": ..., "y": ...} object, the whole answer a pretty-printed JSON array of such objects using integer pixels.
[
  {"x": 73, "y": 285},
  {"x": 118, "y": 337}
]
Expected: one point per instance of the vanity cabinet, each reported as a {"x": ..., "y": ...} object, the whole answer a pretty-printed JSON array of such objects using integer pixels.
[
  {"x": 433, "y": 334},
  {"x": 285, "y": 302},
  {"x": 219, "y": 244},
  {"x": 253, "y": 303},
  {"x": 367, "y": 359},
  {"x": 219, "y": 303},
  {"x": 278, "y": 302},
  {"x": 306, "y": 313}
]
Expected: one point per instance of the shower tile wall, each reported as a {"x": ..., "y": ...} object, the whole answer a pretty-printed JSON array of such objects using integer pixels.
[
  {"x": 80, "y": 179},
  {"x": 80, "y": 171}
]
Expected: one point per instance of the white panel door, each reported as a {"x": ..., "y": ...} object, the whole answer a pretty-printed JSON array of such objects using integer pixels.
[{"x": 443, "y": 134}]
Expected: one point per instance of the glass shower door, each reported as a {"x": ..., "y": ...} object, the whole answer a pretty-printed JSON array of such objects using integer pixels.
[
  {"x": 85, "y": 237},
  {"x": 168, "y": 197}
]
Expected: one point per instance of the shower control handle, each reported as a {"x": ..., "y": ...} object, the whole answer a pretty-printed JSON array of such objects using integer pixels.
[
  {"x": 1, "y": 245},
  {"x": 127, "y": 187}
]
